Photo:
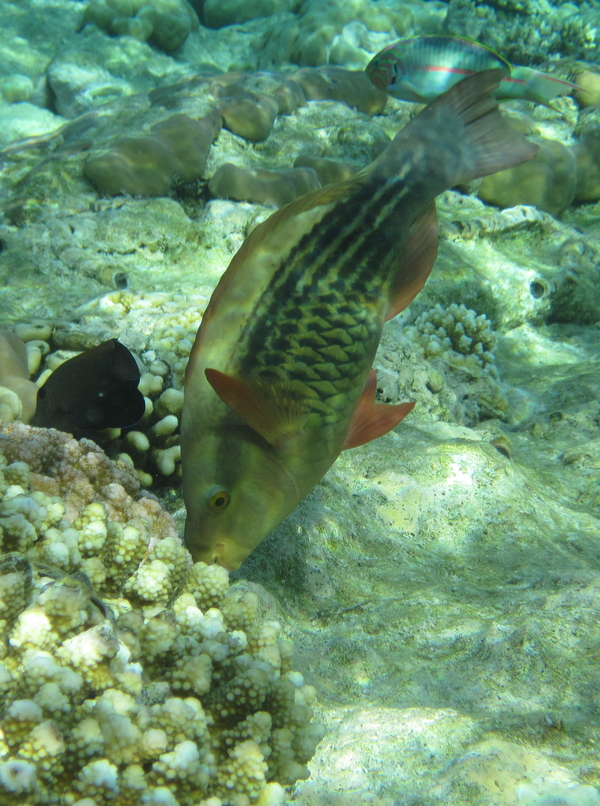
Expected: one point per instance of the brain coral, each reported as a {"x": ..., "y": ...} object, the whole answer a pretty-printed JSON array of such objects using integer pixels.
[{"x": 127, "y": 674}]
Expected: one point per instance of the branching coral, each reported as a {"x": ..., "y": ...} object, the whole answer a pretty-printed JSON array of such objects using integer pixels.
[
  {"x": 456, "y": 333},
  {"x": 127, "y": 673},
  {"x": 459, "y": 379}
]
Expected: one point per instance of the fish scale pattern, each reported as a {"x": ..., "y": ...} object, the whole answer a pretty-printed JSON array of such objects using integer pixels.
[
  {"x": 326, "y": 351},
  {"x": 318, "y": 324}
]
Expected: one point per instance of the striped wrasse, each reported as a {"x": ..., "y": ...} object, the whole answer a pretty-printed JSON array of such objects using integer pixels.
[
  {"x": 280, "y": 379},
  {"x": 420, "y": 68}
]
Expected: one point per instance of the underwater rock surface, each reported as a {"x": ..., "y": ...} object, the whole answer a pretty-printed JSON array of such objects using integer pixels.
[{"x": 442, "y": 584}]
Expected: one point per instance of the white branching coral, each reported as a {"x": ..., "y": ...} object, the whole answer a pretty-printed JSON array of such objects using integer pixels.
[
  {"x": 127, "y": 674},
  {"x": 456, "y": 333}
]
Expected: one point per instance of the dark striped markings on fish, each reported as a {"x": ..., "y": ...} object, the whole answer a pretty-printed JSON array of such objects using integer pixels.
[{"x": 280, "y": 379}]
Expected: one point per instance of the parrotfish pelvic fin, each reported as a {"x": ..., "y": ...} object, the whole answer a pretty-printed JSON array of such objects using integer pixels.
[
  {"x": 277, "y": 411},
  {"x": 417, "y": 261},
  {"x": 372, "y": 420}
]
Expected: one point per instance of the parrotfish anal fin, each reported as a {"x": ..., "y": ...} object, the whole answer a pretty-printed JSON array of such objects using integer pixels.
[
  {"x": 277, "y": 411},
  {"x": 371, "y": 420},
  {"x": 417, "y": 261}
]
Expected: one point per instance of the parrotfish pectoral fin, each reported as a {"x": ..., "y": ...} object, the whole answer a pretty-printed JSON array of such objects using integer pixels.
[
  {"x": 277, "y": 411},
  {"x": 372, "y": 420},
  {"x": 417, "y": 261}
]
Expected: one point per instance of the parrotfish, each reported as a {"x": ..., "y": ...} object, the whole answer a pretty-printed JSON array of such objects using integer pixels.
[
  {"x": 420, "y": 68},
  {"x": 94, "y": 390},
  {"x": 279, "y": 381}
]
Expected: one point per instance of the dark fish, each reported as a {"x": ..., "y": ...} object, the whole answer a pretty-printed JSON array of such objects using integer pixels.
[{"x": 96, "y": 389}]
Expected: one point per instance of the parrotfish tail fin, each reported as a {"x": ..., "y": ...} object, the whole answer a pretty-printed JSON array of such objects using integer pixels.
[
  {"x": 459, "y": 136},
  {"x": 372, "y": 420},
  {"x": 490, "y": 144}
]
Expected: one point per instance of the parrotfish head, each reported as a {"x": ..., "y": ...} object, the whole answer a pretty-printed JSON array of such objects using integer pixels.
[{"x": 237, "y": 492}]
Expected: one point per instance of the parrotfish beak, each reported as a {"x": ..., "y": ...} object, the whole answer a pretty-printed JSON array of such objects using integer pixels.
[{"x": 224, "y": 553}]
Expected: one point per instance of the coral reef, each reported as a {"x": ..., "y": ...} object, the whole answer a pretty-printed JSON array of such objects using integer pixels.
[
  {"x": 454, "y": 332},
  {"x": 126, "y": 671},
  {"x": 217, "y": 13},
  {"x": 439, "y": 571},
  {"x": 339, "y": 32},
  {"x": 587, "y": 156},
  {"x": 445, "y": 361},
  {"x": 17, "y": 392},
  {"x": 525, "y": 31}
]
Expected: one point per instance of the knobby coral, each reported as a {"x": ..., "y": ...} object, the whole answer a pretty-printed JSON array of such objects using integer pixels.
[{"x": 127, "y": 674}]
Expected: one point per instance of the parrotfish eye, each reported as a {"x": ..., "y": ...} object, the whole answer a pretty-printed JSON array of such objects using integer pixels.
[{"x": 217, "y": 499}]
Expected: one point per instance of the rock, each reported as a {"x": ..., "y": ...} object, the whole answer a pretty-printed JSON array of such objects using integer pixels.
[
  {"x": 16, "y": 87},
  {"x": 23, "y": 119},
  {"x": 547, "y": 181},
  {"x": 250, "y": 116},
  {"x": 218, "y": 13},
  {"x": 262, "y": 186},
  {"x": 144, "y": 166},
  {"x": 589, "y": 83},
  {"x": 328, "y": 171},
  {"x": 91, "y": 69}
]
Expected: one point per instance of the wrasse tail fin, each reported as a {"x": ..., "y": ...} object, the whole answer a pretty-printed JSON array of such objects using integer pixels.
[
  {"x": 534, "y": 85},
  {"x": 372, "y": 420},
  {"x": 277, "y": 411},
  {"x": 417, "y": 261}
]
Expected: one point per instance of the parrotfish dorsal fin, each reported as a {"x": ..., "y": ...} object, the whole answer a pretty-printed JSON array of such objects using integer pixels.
[
  {"x": 417, "y": 261},
  {"x": 372, "y": 420},
  {"x": 277, "y": 411}
]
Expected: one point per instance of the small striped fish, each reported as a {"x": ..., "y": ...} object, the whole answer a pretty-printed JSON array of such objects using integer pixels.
[
  {"x": 280, "y": 379},
  {"x": 420, "y": 68}
]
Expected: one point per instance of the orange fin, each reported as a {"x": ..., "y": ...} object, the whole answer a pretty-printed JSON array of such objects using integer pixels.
[
  {"x": 371, "y": 420},
  {"x": 277, "y": 411},
  {"x": 417, "y": 261}
]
